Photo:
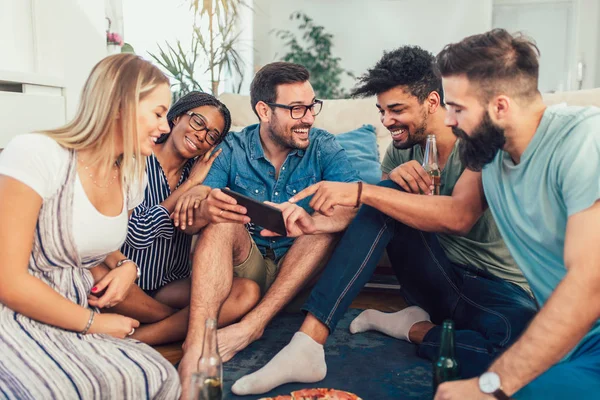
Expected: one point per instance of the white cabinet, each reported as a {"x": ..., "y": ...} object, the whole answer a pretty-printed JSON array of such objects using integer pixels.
[{"x": 47, "y": 49}]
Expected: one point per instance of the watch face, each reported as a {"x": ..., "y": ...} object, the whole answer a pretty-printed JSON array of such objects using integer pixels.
[{"x": 489, "y": 382}]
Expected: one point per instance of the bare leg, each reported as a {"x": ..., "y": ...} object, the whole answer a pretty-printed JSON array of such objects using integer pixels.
[
  {"x": 314, "y": 328},
  {"x": 419, "y": 330},
  {"x": 219, "y": 246},
  {"x": 176, "y": 294},
  {"x": 244, "y": 295},
  {"x": 307, "y": 256},
  {"x": 137, "y": 304}
]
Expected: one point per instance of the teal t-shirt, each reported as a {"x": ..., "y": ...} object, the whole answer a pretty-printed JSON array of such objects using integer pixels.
[
  {"x": 558, "y": 176},
  {"x": 483, "y": 246}
]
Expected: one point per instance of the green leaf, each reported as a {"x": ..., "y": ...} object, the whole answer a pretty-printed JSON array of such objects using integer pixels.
[{"x": 314, "y": 51}]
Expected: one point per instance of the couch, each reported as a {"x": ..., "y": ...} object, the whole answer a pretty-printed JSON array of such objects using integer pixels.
[{"x": 345, "y": 115}]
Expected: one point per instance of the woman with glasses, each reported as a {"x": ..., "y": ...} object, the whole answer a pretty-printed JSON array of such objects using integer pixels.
[{"x": 160, "y": 247}]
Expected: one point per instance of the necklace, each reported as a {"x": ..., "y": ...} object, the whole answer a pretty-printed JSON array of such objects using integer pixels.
[{"x": 86, "y": 168}]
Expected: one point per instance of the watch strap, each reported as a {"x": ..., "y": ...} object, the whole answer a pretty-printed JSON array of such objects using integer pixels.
[{"x": 500, "y": 395}]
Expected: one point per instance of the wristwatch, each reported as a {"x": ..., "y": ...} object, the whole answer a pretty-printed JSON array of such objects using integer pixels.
[
  {"x": 137, "y": 268},
  {"x": 489, "y": 383}
]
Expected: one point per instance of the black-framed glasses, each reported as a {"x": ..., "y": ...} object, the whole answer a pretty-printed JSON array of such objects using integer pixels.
[
  {"x": 198, "y": 123},
  {"x": 299, "y": 111}
]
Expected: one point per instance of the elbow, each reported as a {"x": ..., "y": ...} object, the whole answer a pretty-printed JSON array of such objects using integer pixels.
[
  {"x": 460, "y": 224},
  {"x": 11, "y": 289}
]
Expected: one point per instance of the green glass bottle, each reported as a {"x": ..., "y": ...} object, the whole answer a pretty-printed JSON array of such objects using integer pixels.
[
  {"x": 430, "y": 164},
  {"x": 446, "y": 368},
  {"x": 207, "y": 383}
]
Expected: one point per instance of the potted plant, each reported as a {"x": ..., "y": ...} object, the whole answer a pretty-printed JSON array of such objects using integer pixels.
[
  {"x": 313, "y": 50},
  {"x": 212, "y": 50}
]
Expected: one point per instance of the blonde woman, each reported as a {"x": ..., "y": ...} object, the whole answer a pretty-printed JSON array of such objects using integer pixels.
[{"x": 65, "y": 196}]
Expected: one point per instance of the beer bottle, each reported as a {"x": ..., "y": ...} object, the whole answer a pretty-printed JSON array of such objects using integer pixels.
[
  {"x": 446, "y": 368},
  {"x": 430, "y": 164},
  {"x": 207, "y": 383}
]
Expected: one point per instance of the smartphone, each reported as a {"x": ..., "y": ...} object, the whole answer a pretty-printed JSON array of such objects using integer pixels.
[{"x": 260, "y": 214}]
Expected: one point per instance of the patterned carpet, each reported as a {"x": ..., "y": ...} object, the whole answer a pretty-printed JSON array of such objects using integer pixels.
[{"x": 372, "y": 365}]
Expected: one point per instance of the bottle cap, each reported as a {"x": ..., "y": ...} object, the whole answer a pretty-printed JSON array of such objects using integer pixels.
[{"x": 211, "y": 323}]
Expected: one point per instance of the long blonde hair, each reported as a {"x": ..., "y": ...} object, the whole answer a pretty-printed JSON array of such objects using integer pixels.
[{"x": 110, "y": 97}]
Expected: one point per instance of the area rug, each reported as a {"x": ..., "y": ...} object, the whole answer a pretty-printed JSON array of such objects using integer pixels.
[{"x": 372, "y": 365}]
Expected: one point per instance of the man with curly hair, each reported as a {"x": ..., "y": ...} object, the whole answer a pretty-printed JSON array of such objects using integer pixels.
[{"x": 448, "y": 255}]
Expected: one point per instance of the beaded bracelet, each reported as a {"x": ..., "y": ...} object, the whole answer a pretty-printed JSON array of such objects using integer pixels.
[{"x": 89, "y": 323}]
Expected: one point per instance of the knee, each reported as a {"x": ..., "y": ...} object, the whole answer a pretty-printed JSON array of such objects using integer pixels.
[
  {"x": 248, "y": 295},
  {"x": 219, "y": 231},
  {"x": 317, "y": 242},
  {"x": 225, "y": 234}
]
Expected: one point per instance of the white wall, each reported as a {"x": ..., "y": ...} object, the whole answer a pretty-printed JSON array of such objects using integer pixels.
[
  {"x": 362, "y": 30},
  {"x": 85, "y": 45},
  {"x": 566, "y": 32},
  {"x": 55, "y": 45},
  {"x": 586, "y": 42}
]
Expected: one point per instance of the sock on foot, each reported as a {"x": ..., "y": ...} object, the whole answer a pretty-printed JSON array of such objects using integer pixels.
[
  {"x": 396, "y": 324},
  {"x": 302, "y": 360}
]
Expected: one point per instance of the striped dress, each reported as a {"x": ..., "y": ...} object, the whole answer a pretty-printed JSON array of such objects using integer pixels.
[
  {"x": 157, "y": 247},
  {"x": 39, "y": 361}
]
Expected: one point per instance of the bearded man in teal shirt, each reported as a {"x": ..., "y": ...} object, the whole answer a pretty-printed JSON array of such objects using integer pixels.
[{"x": 540, "y": 171}]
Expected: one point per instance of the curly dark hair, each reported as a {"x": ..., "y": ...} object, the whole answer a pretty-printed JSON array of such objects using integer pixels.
[{"x": 409, "y": 66}]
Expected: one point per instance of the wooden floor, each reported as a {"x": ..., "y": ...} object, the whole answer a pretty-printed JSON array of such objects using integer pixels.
[{"x": 380, "y": 300}]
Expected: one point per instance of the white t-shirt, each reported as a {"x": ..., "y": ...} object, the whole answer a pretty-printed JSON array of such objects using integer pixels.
[{"x": 41, "y": 163}]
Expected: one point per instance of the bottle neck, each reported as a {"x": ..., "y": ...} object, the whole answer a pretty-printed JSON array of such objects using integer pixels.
[
  {"x": 430, "y": 156},
  {"x": 447, "y": 343},
  {"x": 209, "y": 347}
]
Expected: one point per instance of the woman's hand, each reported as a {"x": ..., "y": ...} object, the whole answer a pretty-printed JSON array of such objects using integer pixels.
[
  {"x": 187, "y": 204},
  {"x": 114, "y": 325},
  {"x": 117, "y": 284},
  {"x": 202, "y": 166}
]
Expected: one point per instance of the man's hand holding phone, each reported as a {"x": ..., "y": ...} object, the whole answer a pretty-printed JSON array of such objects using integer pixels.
[{"x": 221, "y": 208}]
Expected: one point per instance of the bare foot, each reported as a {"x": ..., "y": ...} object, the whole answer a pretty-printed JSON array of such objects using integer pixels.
[{"x": 235, "y": 338}]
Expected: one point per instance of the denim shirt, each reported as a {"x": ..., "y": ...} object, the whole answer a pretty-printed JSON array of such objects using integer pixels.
[{"x": 244, "y": 168}]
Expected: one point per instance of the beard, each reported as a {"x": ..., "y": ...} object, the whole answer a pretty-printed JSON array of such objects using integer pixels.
[
  {"x": 414, "y": 138},
  {"x": 418, "y": 136},
  {"x": 481, "y": 146},
  {"x": 278, "y": 134}
]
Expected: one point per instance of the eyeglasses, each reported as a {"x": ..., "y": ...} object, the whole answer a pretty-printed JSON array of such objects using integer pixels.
[
  {"x": 299, "y": 111},
  {"x": 198, "y": 123}
]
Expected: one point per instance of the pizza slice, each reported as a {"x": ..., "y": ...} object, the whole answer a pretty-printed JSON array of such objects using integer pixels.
[{"x": 323, "y": 394}]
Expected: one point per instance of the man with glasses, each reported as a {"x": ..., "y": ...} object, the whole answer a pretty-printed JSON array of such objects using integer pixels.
[{"x": 270, "y": 161}]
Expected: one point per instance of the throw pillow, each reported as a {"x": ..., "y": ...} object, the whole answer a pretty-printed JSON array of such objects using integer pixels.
[{"x": 361, "y": 148}]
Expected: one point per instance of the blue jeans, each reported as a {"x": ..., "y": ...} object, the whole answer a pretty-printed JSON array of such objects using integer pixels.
[
  {"x": 489, "y": 313},
  {"x": 578, "y": 378}
]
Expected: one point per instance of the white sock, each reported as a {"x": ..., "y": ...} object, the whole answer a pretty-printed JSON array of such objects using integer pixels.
[
  {"x": 302, "y": 360},
  {"x": 396, "y": 324}
]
